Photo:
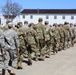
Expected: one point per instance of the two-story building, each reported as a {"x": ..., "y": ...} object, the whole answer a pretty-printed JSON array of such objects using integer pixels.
[
  {"x": 2, "y": 20},
  {"x": 51, "y": 15}
]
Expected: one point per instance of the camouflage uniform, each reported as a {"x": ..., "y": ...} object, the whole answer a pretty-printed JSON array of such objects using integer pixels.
[
  {"x": 62, "y": 35},
  {"x": 31, "y": 41},
  {"x": 13, "y": 41},
  {"x": 72, "y": 34},
  {"x": 67, "y": 38},
  {"x": 75, "y": 33},
  {"x": 56, "y": 39},
  {"x": 41, "y": 39},
  {"x": 21, "y": 36},
  {"x": 1, "y": 45},
  {"x": 4, "y": 54},
  {"x": 47, "y": 38}
]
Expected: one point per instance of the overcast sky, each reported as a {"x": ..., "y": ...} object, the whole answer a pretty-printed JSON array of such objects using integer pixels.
[{"x": 45, "y": 4}]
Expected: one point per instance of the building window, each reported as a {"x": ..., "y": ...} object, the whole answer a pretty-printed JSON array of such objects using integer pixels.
[
  {"x": 23, "y": 16},
  {"x": 31, "y": 16},
  {"x": 72, "y": 17},
  {"x": 63, "y": 17},
  {"x": 55, "y": 17},
  {"x": 47, "y": 17}
]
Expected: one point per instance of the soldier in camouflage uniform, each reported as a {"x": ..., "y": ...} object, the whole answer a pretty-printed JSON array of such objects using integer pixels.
[
  {"x": 21, "y": 35},
  {"x": 48, "y": 38},
  {"x": 41, "y": 39},
  {"x": 4, "y": 54},
  {"x": 32, "y": 43},
  {"x": 56, "y": 38},
  {"x": 62, "y": 36},
  {"x": 13, "y": 41},
  {"x": 1, "y": 46},
  {"x": 73, "y": 34},
  {"x": 68, "y": 34}
]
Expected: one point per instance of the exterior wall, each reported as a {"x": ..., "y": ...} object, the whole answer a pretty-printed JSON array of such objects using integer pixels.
[
  {"x": 3, "y": 21},
  {"x": 50, "y": 19},
  {"x": 16, "y": 20}
]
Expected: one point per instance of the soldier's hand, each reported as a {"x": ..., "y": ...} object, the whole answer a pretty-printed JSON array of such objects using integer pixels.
[{"x": 3, "y": 52}]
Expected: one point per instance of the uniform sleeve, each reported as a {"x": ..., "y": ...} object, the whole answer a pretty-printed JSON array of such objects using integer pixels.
[{"x": 17, "y": 43}]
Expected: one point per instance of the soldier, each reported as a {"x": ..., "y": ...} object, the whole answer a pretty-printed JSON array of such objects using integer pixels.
[
  {"x": 47, "y": 38},
  {"x": 1, "y": 46},
  {"x": 13, "y": 41},
  {"x": 32, "y": 43},
  {"x": 40, "y": 37},
  {"x": 56, "y": 38},
  {"x": 21, "y": 35},
  {"x": 67, "y": 35},
  {"x": 4, "y": 54},
  {"x": 72, "y": 34},
  {"x": 62, "y": 36},
  {"x": 25, "y": 26},
  {"x": 75, "y": 32}
]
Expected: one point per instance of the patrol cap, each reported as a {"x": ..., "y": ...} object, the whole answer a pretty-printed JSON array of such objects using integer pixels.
[
  {"x": 71, "y": 23},
  {"x": 25, "y": 22},
  {"x": 31, "y": 24},
  {"x": 66, "y": 23},
  {"x": 54, "y": 24},
  {"x": 40, "y": 19},
  {"x": 46, "y": 22},
  {"x": 10, "y": 24}
]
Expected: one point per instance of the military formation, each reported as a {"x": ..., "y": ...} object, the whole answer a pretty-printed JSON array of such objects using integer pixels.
[{"x": 33, "y": 42}]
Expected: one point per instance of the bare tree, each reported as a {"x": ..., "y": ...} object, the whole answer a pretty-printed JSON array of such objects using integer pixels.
[
  {"x": 15, "y": 9},
  {"x": 11, "y": 8},
  {"x": 6, "y": 8}
]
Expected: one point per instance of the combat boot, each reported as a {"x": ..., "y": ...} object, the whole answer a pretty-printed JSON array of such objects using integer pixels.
[
  {"x": 12, "y": 71},
  {"x": 36, "y": 58},
  {"x": 6, "y": 72},
  {"x": 21, "y": 65},
  {"x": 29, "y": 61},
  {"x": 47, "y": 56},
  {"x": 42, "y": 58},
  {"x": 18, "y": 65}
]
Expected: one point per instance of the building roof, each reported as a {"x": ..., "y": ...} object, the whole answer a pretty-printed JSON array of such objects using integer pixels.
[{"x": 49, "y": 11}]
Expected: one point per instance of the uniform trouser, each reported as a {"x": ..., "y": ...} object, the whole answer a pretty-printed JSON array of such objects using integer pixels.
[
  {"x": 72, "y": 41},
  {"x": 42, "y": 47},
  {"x": 20, "y": 54},
  {"x": 48, "y": 47},
  {"x": 13, "y": 57},
  {"x": 6, "y": 59},
  {"x": 62, "y": 43},
  {"x": 1, "y": 63},
  {"x": 56, "y": 45},
  {"x": 32, "y": 51},
  {"x": 65, "y": 41}
]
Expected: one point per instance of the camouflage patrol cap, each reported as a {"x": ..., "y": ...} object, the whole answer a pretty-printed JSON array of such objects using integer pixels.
[
  {"x": 46, "y": 22},
  {"x": 25, "y": 22},
  {"x": 65, "y": 23},
  {"x": 31, "y": 24},
  {"x": 55, "y": 24},
  {"x": 10, "y": 24},
  {"x": 40, "y": 19}
]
